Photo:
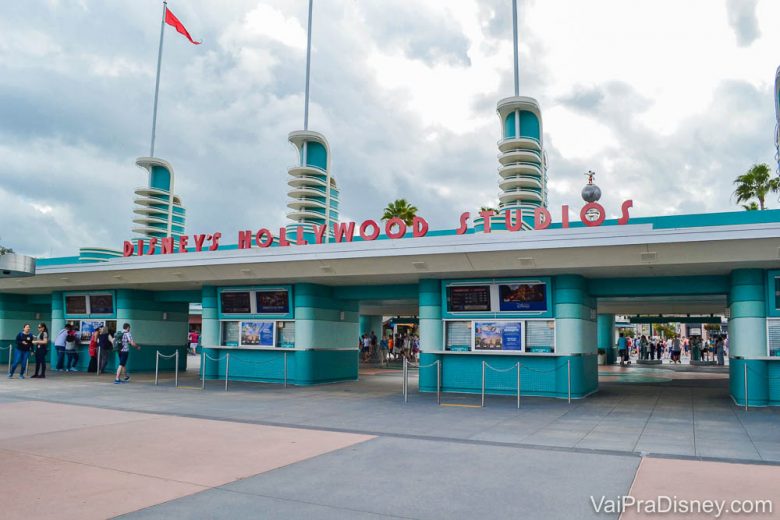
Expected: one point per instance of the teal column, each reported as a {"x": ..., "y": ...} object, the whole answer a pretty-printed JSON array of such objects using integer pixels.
[
  {"x": 747, "y": 336},
  {"x": 606, "y": 335},
  {"x": 431, "y": 325},
  {"x": 574, "y": 309},
  {"x": 431, "y": 332},
  {"x": 210, "y": 333},
  {"x": 327, "y": 329},
  {"x": 57, "y": 323}
]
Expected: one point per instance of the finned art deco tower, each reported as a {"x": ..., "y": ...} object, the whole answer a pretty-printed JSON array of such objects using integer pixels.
[
  {"x": 523, "y": 163},
  {"x": 313, "y": 195}
]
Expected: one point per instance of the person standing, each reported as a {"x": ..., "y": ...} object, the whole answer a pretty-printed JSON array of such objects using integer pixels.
[
  {"x": 622, "y": 346},
  {"x": 676, "y": 350},
  {"x": 41, "y": 349},
  {"x": 719, "y": 347},
  {"x": 105, "y": 344},
  {"x": 71, "y": 350},
  {"x": 126, "y": 340},
  {"x": 384, "y": 348},
  {"x": 93, "y": 350},
  {"x": 24, "y": 343},
  {"x": 59, "y": 346}
]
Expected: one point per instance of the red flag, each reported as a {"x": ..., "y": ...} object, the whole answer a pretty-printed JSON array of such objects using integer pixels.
[{"x": 174, "y": 22}]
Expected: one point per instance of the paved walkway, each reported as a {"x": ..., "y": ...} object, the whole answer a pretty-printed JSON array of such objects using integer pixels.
[{"x": 354, "y": 450}]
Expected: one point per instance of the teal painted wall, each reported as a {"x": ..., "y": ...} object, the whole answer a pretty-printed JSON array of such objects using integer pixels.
[
  {"x": 145, "y": 315},
  {"x": 322, "y": 321},
  {"x": 317, "y": 156},
  {"x": 509, "y": 126},
  {"x": 430, "y": 314},
  {"x": 304, "y": 367},
  {"x": 160, "y": 178},
  {"x": 529, "y": 125},
  {"x": 659, "y": 286},
  {"x": 210, "y": 331},
  {"x": 747, "y": 321},
  {"x": 758, "y": 387},
  {"x": 575, "y": 323},
  {"x": 369, "y": 324},
  {"x": 539, "y": 375},
  {"x": 15, "y": 311},
  {"x": 606, "y": 335}
]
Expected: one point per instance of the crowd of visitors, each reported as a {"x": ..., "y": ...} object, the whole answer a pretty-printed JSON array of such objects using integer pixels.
[
  {"x": 390, "y": 347},
  {"x": 102, "y": 345},
  {"x": 714, "y": 349}
]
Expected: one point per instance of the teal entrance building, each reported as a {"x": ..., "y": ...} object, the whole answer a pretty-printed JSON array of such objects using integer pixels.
[{"x": 543, "y": 299}]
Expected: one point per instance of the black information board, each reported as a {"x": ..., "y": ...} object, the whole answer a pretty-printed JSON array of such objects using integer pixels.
[
  {"x": 273, "y": 302},
  {"x": 76, "y": 304},
  {"x": 234, "y": 302},
  {"x": 101, "y": 304},
  {"x": 468, "y": 298}
]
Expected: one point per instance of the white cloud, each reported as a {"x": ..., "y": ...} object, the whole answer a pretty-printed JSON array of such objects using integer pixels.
[{"x": 656, "y": 96}]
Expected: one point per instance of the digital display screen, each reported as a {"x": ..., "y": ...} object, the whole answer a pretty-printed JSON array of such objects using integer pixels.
[
  {"x": 101, "y": 304},
  {"x": 273, "y": 302},
  {"x": 523, "y": 297},
  {"x": 468, "y": 298},
  {"x": 75, "y": 304},
  {"x": 234, "y": 302}
]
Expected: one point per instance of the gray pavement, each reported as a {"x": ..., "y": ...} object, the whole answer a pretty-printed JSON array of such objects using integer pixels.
[
  {"x": 408, "y": 478},
  {"x": 452, "y": 461},
  {"x": 691, "y": 418}
]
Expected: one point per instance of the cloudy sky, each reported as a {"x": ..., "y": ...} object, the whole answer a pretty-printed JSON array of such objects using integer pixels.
[{"x": 667, "y": 100}]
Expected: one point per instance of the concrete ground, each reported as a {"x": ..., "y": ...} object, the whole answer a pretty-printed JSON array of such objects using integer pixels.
[{"x": 75, "y": 445}]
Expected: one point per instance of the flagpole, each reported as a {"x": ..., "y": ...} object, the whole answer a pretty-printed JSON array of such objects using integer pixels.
[
  {"x": 308, "y": 69},
  {"x": 157, "y": 82},
  {"x": 514, "y": 31}
]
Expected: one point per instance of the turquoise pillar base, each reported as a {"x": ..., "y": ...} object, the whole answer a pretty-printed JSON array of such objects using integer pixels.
[
  {"x": 758, "y": 382},
  {"x": 545, "y": 376},
  {"x": 304, "y": 367}
]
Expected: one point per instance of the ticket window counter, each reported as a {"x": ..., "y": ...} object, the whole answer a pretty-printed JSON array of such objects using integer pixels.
[
  {"x": 85, "y": 312},
  {"x": 256, "y": 329},
  {"x": 495, "y": 325}
]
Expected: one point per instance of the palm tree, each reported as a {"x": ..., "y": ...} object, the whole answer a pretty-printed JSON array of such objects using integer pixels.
[
  {"x": 5, "y": 250},
  {"x": 488, "y": 208},
  {"x": 756, "y": 183},
  {"x": 753, "y": 206},
  {"x": 400, "y": 208}
]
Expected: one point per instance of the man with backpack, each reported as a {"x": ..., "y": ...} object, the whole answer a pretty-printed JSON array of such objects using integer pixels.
[{"x": 122, "y": 342}]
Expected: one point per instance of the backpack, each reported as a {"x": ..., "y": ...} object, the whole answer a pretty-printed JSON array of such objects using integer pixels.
[{"x": 118, "y": 341}]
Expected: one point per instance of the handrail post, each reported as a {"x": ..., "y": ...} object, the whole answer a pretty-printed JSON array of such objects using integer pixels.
[
  {"x": 438, "y": 381},
  {"x": 202, "y": 369},
  {"x": 227, "y": 370},
  {"x": 97, "y": 367},
  {"x": 518, "y": 385},
  {"x": 746, "y": 385},
  {"x": 405, "y": 380},
  {"x": 176, "y": 380},
  {"x": 156, "y": 367},
  {"x": 568, "y": 377},
  {"x": 483, "y": 384},
  {"x": 285, "y": 369}
]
